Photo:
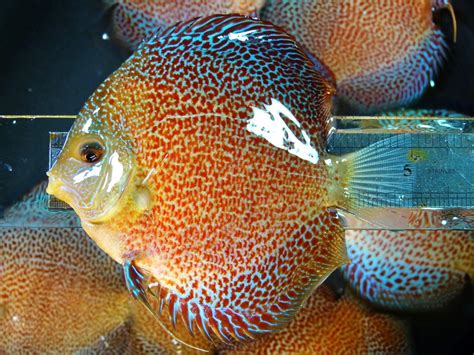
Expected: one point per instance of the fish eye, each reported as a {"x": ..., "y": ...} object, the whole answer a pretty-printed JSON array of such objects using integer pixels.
[{"x": 91, "y": 152}]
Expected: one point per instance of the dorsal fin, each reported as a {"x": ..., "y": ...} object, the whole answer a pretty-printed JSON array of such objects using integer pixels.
[{"x": 236, "y": 27}]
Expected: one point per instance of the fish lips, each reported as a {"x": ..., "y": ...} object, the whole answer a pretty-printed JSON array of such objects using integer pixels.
[{"x": 87, "y": 212}]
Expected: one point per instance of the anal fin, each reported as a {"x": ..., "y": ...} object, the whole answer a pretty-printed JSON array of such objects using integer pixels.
[{"x": 137, "y": 284}]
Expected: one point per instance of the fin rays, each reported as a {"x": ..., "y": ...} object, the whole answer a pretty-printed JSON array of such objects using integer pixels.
[
  {"x": 223, "y": 326},
  {"x": 135, "y": 281}
]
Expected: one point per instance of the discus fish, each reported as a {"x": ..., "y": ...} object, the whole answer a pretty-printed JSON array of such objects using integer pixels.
[
  {"x": 200, "y": 166},
  {"x": 328, "y": 325},
  {"x": 58, "y": 292},
  {"x": 409, "y": 270},
  {"x": 383, "y": 54},
  {"x": 137, "y": 20}
]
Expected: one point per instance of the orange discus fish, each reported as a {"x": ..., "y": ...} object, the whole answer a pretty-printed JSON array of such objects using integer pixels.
[
  {"x": 383, "y": 53},
  {"x": 58, "y": 292},
  {"x": 200, "y": 166},
  {"x": 409, "y": 270},
  {"x": 327, "y": 325},
  {"x": 136, "y": 20}
]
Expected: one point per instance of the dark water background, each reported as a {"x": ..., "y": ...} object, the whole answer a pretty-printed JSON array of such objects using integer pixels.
[{"x": 53, "y": 56}]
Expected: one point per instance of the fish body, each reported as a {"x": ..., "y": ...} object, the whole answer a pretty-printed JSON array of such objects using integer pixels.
[
  {"x": 58, "y": 291},
  {"x": 331, "y": 325},
  {"x": 137, "y": 20},
  {"x": 383, "y": 54},
  {"x": 409, "y": 270},
  {"x": 454, "y": 218},
  {"x": 200, "y": 166}
]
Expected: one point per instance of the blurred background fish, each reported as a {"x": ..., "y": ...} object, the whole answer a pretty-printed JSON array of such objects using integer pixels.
[
  {"x": 327, "y": 324},
  {"x": 383, "y": 54},
  {"x": 410, "y": 270},
  {"x": 137, "y": 20},
  {"x": 58, "y": 291}
]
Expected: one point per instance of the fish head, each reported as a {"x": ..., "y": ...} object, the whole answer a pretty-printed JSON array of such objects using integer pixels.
[{"x": 93, "y": 170}]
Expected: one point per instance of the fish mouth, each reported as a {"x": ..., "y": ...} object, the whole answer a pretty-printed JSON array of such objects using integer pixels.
[
  {"x": 54, "y": 185},
  {"x": 87, "y": 213},
  {"x": 59, "y": 190}
]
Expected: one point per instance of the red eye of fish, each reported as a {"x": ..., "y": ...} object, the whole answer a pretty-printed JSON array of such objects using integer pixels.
[{"x": 91, "y": 152}]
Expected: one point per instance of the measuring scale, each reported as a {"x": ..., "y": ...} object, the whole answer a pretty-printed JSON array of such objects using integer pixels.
[{"x": 442, "y": 149}]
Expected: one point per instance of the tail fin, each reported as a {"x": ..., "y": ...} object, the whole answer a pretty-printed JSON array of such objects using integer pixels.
[{"x": 381, "y": 175}]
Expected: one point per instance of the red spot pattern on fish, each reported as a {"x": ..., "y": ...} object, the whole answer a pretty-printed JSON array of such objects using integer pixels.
[
  {"x": 58, "y": 291},
  {"x": 219, "y": 206}
]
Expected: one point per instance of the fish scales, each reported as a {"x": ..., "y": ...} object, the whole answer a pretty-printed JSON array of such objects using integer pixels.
[{"x": 58, "y": 291}]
